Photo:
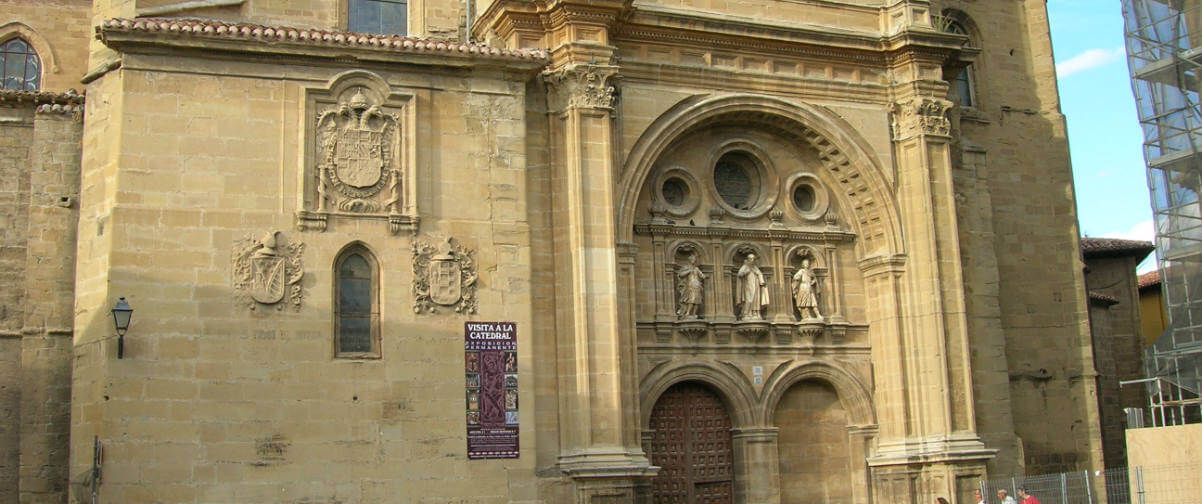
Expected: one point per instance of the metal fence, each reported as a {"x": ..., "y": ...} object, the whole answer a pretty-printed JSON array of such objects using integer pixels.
[{"x": 1176, "y": 484}]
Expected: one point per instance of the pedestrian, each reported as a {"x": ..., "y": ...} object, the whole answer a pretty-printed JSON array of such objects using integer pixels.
[
  {"x": 1026, "y": 496},
  {"x": 977, "y": 498},
  {"x": 1003, "y": 498}
]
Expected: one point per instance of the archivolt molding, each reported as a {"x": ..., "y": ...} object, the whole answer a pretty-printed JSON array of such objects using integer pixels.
[
  {"x": 731, "y": 386},
  {"x": 45, "y": 52},
  {"x": 854, "y": 396},
  {"x": 862, "y": 187}
]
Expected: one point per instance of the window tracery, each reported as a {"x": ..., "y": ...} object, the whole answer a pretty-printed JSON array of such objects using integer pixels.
[{"x": 20, "y": 66}]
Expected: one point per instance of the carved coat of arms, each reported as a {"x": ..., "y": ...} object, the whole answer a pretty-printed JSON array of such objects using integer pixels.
[
  {"x": 267, "y": 271},
  {"x": 443, "y": 276},
  {"x": 356, "y": 162}
]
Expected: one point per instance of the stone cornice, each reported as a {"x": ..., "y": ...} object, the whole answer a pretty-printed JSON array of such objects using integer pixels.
[
  {"x": 144, "y": 34},
  {"x": 745, "y": 233},
  {"x": 37, "y": 98}
]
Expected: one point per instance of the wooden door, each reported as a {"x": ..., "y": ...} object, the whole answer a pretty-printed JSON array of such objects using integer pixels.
[{"x": 691, "y": 444}]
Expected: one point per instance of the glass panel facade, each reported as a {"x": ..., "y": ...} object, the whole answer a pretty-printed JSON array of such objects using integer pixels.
[{"x": 386, "y": 17}]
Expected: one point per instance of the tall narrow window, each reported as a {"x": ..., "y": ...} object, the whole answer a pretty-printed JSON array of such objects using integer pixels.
[
  {"x": 20, "y": 66},
  {"x": 357, "y": 324},
  {"x": 387, "y": 17},
  {"x": 962, "y": 86}
]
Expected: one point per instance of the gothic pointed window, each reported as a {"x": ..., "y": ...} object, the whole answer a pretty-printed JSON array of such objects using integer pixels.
[
  {"x": 356, "y": 304},
  {"x": 385, "y": 17},
  {"x": 20, "y": 66}
]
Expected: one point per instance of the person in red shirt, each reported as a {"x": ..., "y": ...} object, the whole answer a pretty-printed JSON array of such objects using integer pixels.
[{"x": 1027, "y": 498}]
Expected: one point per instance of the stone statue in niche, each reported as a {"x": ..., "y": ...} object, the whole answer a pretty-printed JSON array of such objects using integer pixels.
[
  {"x": 266, "y": 271},
  {"x": 805, "y": 291},
  {"x": 751, "y": 293},
  {"x": 443, "y": 276},
  {"x": 356, "y": 159},
  {"x": 690, "y": 283}
]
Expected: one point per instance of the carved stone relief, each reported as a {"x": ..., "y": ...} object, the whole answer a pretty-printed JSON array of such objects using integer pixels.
[
  {"x": 690, "y": 285},
  {"x": 805, "y": 291},
  {"x": 921, "y": 116},
  {"x": 751, "y": 292},
  {"x": 268, "y": 271},
  {"x": 581, "y": 86},
  {"x": 360, "y": 162},
  {"x": 444, "y": 276}
]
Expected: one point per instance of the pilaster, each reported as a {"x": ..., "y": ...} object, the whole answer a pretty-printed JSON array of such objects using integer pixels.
[
  {"x": 599, "y": 448},
  {"x": 930, "y": 364}
]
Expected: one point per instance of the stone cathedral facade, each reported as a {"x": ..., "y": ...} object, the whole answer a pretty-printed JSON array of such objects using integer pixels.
[{"x": 708, "y": 251}]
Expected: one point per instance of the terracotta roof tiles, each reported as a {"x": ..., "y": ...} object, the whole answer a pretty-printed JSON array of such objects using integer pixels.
[
  {"x": 1149, "y": 279},
  {"x": 224, "y": 30},
  {"x": 1115, "y": 247}
]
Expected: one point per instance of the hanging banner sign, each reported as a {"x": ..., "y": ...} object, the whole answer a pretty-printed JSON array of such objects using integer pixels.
[{"x": 490, "y": 363}]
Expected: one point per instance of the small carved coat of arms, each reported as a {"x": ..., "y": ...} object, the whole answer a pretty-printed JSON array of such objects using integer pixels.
[
  {"x": 267, "y": 271},
  {"x": 444, "y": 276}
]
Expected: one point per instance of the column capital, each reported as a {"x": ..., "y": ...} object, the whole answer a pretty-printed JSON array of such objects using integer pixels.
[
  {"x": 921, "y": 116},
  {"x": 581, "y": 86}
]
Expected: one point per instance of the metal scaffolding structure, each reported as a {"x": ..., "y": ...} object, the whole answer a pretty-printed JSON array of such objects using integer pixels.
[{"x": 1164, "y": 55}]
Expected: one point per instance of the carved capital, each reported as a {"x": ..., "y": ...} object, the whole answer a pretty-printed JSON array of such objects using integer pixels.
[
  {"x": 581, "y": 86},
  {"x": 921, "y": 116}
]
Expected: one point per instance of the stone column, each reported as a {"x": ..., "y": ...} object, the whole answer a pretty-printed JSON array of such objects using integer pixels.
[
  {"x": 757, "y": 465},
  {"x": 605, "y": 461}
]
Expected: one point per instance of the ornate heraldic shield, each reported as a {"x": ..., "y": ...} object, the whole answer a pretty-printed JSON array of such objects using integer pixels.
[
  {"x": 267, "y": 270},
  {"x": 267, "y": 284},
  {"x": 446, "y": 280},
  {"x": 443, "y": 276},
  {"x": 360, "y": 154}
]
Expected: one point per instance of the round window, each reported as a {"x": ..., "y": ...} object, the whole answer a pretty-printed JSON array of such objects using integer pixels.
[
  {"x": 675, "y": 191},
  {"x": 734, "y": 177},
  {"x": 803, "y": 198}
]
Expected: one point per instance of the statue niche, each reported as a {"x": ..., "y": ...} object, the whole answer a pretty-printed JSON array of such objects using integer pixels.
[
  {"x": 751, "y": 290},
  {"x": 689, "y": 286},
  {"x": 360, "y": 162},
  {"x": 805, "y": 291}
]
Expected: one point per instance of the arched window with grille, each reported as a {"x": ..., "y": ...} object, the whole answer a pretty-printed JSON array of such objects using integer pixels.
[
  {"x": 356, "y": 304},
  {"x": 20, "y": 66}
]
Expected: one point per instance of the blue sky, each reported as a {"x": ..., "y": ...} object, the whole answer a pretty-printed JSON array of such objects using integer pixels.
[{"x": 1104, "y": 134}]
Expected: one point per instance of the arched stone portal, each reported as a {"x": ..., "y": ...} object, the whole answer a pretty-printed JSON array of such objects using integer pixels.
[
  {"x": 690, "y": 440},
  {"x": 815, "y": 460}
]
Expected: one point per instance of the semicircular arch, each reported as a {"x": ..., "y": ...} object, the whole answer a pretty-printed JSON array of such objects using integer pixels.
[
  {"x": 731, "y": 387},
  {"x": 853, "y": 395},
  {"x": 864, "y": 189}
]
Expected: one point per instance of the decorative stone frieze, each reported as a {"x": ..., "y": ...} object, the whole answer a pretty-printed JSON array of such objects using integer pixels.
[
  {"x": 444, "y": 276},
  {"x": 267, "y": 271},
  {"x": 360, "y": 159},
  {"x": 921, "y": 116},
  {"x": 581, "y": 86}
]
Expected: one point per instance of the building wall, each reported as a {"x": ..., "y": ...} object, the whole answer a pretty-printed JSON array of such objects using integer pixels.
[
  {"x": 1016, "y": 129},
  {"x": 198, "y": 144},
  {"x": 1152, "y": 315},
  {"x": 1118, "y": 351}
]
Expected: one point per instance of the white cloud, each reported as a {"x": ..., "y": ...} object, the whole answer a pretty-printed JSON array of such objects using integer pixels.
[
  {"x": 1144, "y": 231},
  {"x": 1089, "y": 59}
]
